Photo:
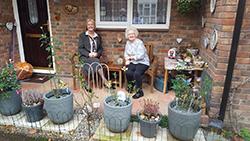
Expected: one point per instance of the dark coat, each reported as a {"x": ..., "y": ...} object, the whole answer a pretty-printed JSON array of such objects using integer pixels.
[{"x": 84, "y": 48}]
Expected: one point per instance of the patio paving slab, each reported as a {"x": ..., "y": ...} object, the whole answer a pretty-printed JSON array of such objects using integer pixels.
[
  {"x": 133, "y": 134},
  {"x": 19, "y": 120}
]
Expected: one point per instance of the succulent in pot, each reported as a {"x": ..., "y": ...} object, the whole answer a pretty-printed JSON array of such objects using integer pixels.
[
  {"x": 149, "y": 118},
  {"x": 10, "y": 99},
  {"x": 33, "y": 105}
]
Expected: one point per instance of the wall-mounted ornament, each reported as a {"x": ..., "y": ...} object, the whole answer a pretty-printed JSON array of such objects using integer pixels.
[
  {"x": 214, "y": 39},
  {"x": 179, "y": 40},
  {"x": 70, "y": 9},
  {"x": 205, "y": 42},
  {"x": 212, "y": 6}
]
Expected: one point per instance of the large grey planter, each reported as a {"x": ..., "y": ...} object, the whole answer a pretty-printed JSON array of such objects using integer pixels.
[
  {"x": 183, "y": 125},
  {"x": 117, "y": 119},
  {"x": 59, "y": 110},
  {"x": 10, "y": 105},
  {"x": 148, "y": 129},
  {"x": 34, "y": 113}
]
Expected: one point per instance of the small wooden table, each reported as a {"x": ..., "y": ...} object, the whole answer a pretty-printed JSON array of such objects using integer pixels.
[
  {"x": 116, "y": 68},
  {"x": 169, "y": 65}
]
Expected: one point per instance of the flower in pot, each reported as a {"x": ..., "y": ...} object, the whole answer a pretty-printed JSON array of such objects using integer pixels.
[
  {"x": 185, "y": 110},
  {"x": 10, "y": 100},
  {"x": 58, "y": 103},
  {"x": 117, "y": 111},
  {"x": 33, "y": 105},
  {"x": 149, "y": 118}
]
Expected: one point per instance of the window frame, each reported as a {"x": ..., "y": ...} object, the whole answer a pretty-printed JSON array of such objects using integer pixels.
[{"x": 123, "y": 25}]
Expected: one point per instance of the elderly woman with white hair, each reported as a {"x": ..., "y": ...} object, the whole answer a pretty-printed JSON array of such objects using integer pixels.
[{"x": 137, "y": 60}]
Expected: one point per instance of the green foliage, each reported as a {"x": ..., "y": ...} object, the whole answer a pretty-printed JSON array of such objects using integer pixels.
[
  {"x": 134, "y": 118},
  {"x": 164, "y": 122},
  {"x": 187, "y": 98},
  {"x": 245, "y": 134},
  {"x": 8, "y": 79},
  {"x": 185, "y": 7}
]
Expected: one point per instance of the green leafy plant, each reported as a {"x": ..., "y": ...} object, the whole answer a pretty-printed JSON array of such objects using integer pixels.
[
  {"x": 185, "y": 7},
  {"x": 8, "y": 80},
  {"x": 245, "y": 134},
  {"x": 187, "y": 98},
  {"x": 164, "y": 122}
]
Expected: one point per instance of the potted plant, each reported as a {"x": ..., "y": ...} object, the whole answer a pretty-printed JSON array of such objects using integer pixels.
[
  {"x": 185, "y": 7},
  {"x": 185, "y": 110},
  {"x": 58, "y": 103},
  {"x": 33, "y": 105},
  {"x": 117, "y": 111},
  {"x": 10, "y": 99},
  {"x": 149, "y": 118}
]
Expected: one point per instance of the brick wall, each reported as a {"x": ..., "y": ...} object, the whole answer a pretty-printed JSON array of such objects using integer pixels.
[
  {"x": 69, "y": 27},
  {"x": 6, "y": 15},
  {"x": 223, "y": 20}
]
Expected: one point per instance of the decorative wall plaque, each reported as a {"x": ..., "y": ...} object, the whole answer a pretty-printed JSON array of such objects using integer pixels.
[
  {"x": 70, "y": 9},
  {"x": 214, "y": 39}
]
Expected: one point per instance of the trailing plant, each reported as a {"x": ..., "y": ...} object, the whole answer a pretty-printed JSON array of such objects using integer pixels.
[
  {"x": 164, "y": 121},
  {"x": 8, "y": 80},
  {"x": 32, "y": 97},
  {"x": 150, "y": 110},
  {"x": 185, "y": 7}
]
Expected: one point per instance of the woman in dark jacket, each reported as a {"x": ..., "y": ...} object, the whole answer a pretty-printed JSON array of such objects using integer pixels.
[{"x": 90, "y": 48}]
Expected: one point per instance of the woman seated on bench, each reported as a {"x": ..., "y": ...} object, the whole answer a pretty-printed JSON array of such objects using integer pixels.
[{"x": 137, "y": 60}]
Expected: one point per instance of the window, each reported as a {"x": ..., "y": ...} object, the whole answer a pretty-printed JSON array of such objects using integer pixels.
[
  {"x": 33, "y": 16},
  {"x": 143, "y": 14}
]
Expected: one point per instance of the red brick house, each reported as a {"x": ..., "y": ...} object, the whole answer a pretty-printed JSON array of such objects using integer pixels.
[{"x": 65, "y": 20}]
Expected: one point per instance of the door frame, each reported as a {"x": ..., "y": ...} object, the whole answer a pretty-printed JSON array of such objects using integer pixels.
[{"x": 20, "y": 42}]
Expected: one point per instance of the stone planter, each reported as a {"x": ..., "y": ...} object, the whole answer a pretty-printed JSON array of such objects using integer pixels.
[
  {"x": 34, "y": 113},
  {"x": 148, "y": 129},
  {"x": 183, "y": 125},
  {"x": 59, "y": 110},
  {"x": 10, "y": 105},
  {"x": 117, "y": 118}
]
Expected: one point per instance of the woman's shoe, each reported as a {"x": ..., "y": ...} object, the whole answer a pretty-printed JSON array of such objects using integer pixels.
[{"x": 138, "y": 94}]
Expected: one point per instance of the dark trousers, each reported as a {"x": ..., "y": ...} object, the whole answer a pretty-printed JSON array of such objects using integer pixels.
[{"x": 136, "y": 72}]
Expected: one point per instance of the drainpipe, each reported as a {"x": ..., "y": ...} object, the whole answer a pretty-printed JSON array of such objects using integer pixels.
[{"x": 232, "y": 58}]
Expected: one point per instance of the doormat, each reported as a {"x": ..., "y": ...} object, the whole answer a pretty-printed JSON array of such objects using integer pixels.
[{"x": 38, "y": 78}]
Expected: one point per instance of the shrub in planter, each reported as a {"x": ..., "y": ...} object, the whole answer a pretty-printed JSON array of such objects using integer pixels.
[
  {"x": 149, "y": 118},
  {"x": 33, "y": 105},
  {"x": 185, "y": 110},
  {"x": 10, "y": 99}
]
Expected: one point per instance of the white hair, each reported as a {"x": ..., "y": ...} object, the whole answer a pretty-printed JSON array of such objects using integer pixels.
[{"x": 131, "y": 29}]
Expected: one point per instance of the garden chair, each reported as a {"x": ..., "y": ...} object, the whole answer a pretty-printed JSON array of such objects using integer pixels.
[
  {"x": 152, "y": 70},
  {"x": 92, "y": 78}
]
